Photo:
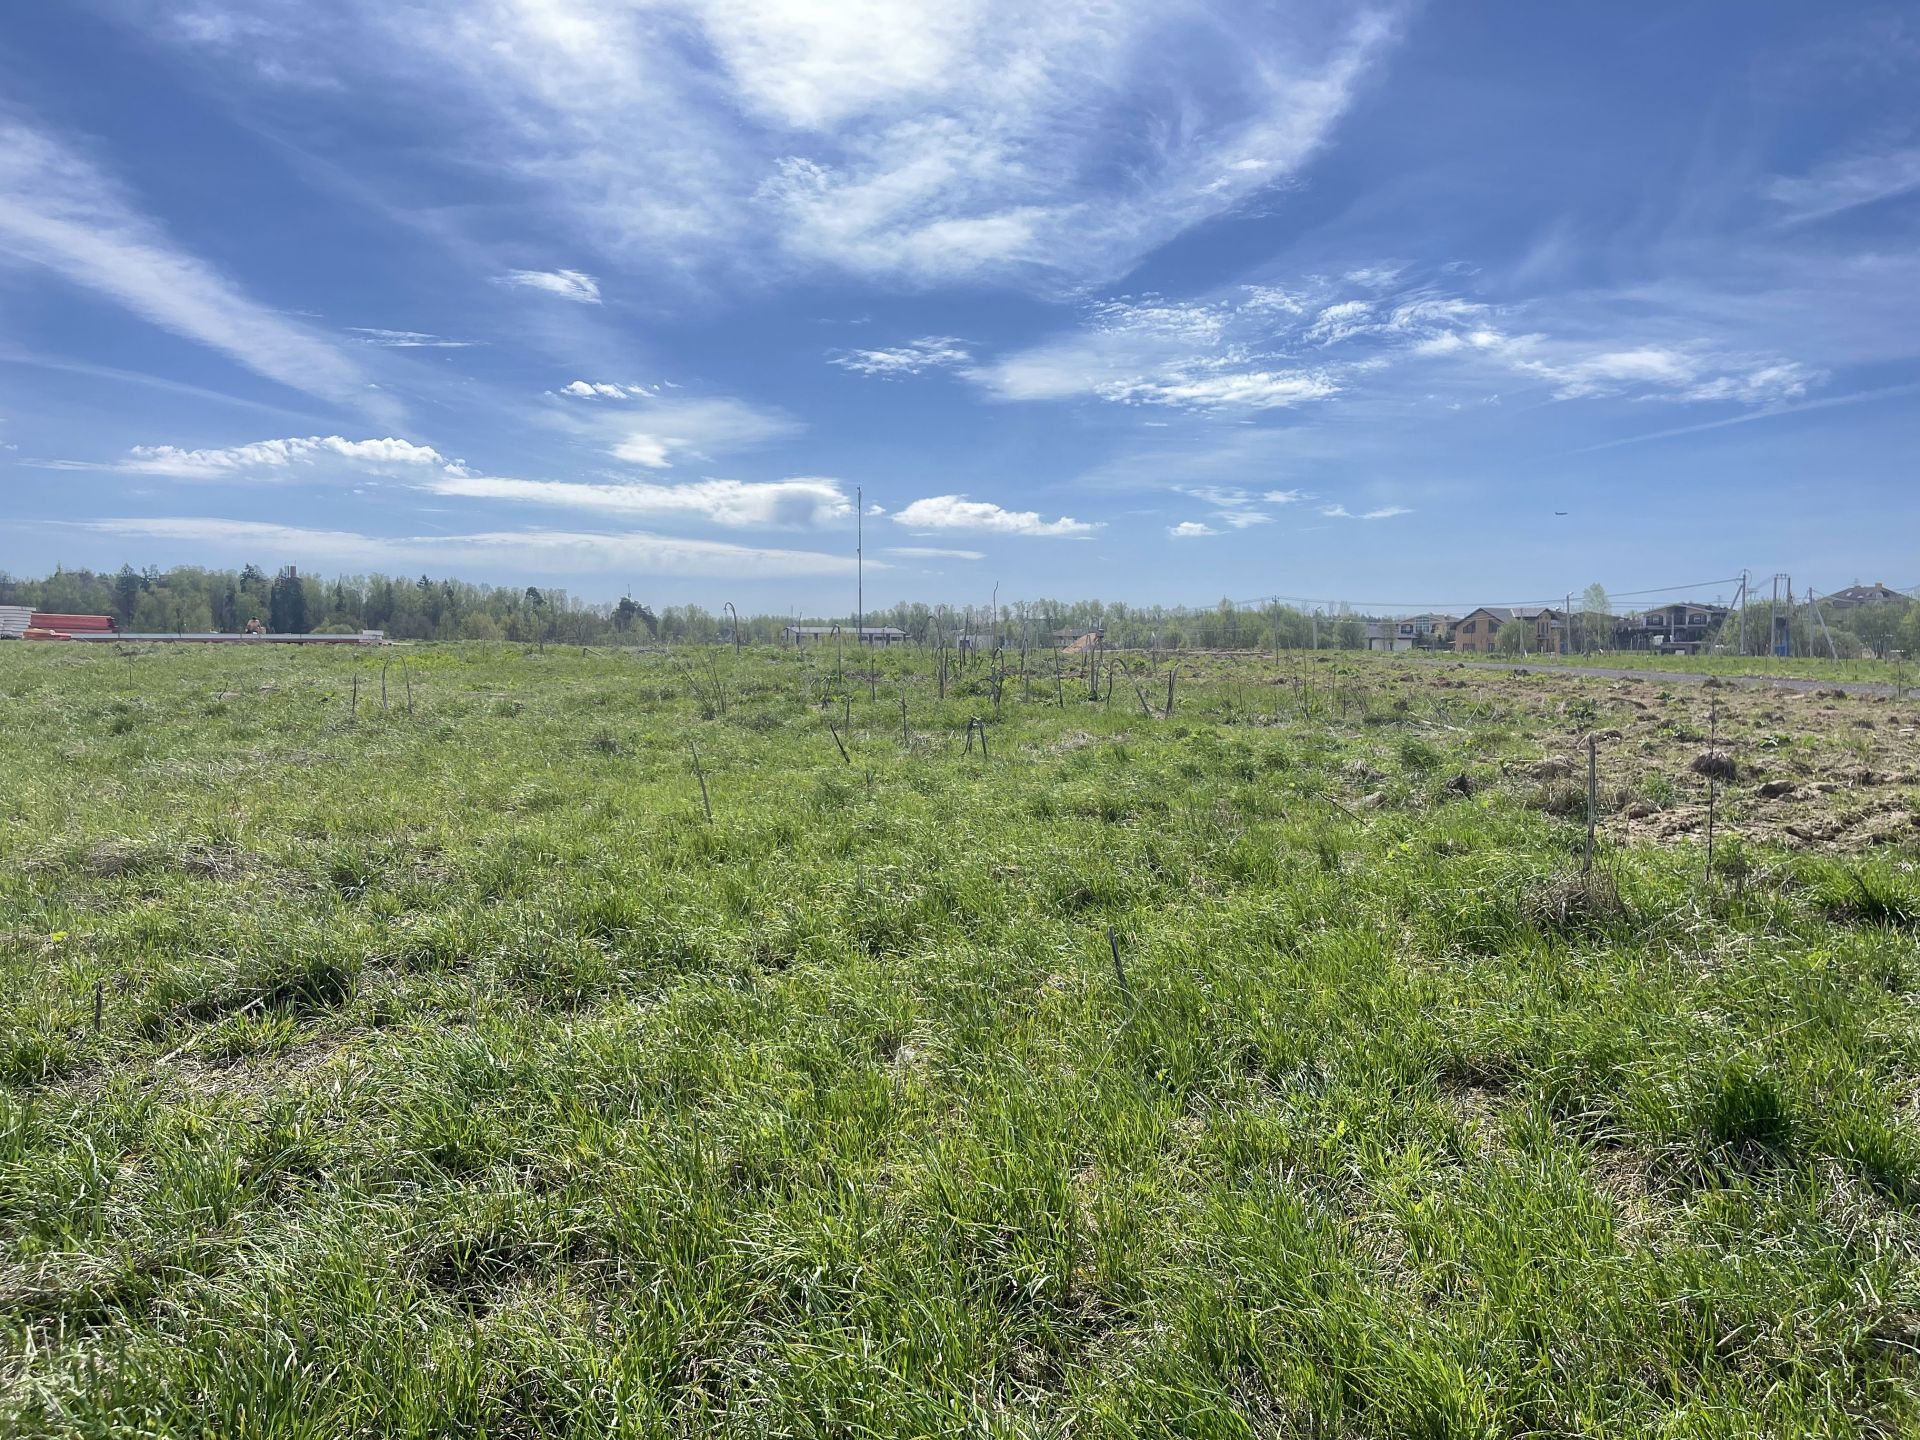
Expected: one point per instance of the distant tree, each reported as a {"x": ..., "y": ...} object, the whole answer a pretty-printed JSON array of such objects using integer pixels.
[
  {"x": 287, "y": 607},
  {"x": 625, "y": 613},
  {"x": 1512, "y": 638},
  {"x": 1350, "y": 632},
  {"x": 1877, "y": 626},
  {"x": 127, "y": 586}
]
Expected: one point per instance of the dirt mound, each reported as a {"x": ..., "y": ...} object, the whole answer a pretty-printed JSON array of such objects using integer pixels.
[{"x": 1715, "y": 764}]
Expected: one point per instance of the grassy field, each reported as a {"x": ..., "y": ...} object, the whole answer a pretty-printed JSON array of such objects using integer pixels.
[
  {"x": 445, "y": 1069},
  {"x": 1903, "y": 673}
]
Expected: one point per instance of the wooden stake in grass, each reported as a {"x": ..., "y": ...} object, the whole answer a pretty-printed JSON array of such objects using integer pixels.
[
  {"x": 354, "y": 713},
  {"x": 1713, "y": 787},
  {"x": 1119, "y": 970},
  {"x": 1170, "y": 689},
  {"x": 903, "y": 712},
  {"x": 837, "y": 741},
  {"x": 99, "y": 1003},
  {"x": 1593, "y": 802},
  {"x": 701, "y": 776}
]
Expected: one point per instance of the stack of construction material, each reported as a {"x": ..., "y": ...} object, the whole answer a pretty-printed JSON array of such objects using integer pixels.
[
  {"x": 14, "y": 620},
  {"x": 49, "y": 625}
]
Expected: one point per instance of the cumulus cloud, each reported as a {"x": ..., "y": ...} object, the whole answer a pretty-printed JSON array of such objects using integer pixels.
[
  {"x": 60, "y": 211},
  {"x": 567, "y": 284},
  {"x": 598, "y": 389},
  {"x": 1190, "y": 530},
  {"x": 801, "y": 503},
  {"x": 927, "y": 353},
  {"x": 558, "y": 552},
  {"x": 956, "y": 512}
]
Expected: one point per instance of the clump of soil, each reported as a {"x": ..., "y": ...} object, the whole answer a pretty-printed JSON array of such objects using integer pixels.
[{"x": 1715, "y": 764}]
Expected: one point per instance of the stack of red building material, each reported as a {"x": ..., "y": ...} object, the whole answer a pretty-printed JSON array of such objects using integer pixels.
[{"x": 49, "y": 625}]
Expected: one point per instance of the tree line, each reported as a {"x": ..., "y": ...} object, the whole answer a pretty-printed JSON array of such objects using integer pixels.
[{"x": 189, "y": 599}]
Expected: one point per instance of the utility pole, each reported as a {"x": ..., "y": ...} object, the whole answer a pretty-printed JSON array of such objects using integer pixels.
[
  {"x": 859, "y": 567},
  {"x": 1743, "y": 612}
]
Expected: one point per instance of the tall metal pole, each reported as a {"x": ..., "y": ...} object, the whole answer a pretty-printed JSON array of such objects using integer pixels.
[{"x": 859, "y": 567}]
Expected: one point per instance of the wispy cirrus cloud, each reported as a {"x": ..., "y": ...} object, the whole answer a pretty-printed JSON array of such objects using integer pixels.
[
  {"x": 1262, "y": 348},
  {"x": 572, "y": 285},
  {"x": 1241, "y": 509},
  {"x": 932, "y": 552},
  {"x": 930, "y": 352},
  {"x": 559, "y": 552},
  {"x": 1384, "y": 512},
  {"x": 983, "y": 140},
  {"x": 1845, "y": 183},
  {"x": 657, "y": 431},
  {"x": 61, "y": 211},
  {"x": 800, "y": 503},
  {"x": 956, "y": 512},
  {"x": 406, "y": 339}
]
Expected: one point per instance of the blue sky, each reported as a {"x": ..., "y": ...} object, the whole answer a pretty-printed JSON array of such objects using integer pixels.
[{"x": 1152, "y": 301}]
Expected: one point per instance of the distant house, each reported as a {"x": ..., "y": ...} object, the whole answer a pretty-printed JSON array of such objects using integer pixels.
[
  {"x": 1385, "y": 635},
  {"x": 1475, "y": 633},
  {"x": 879, "y": 636},
  {"x": 1854, "y": 596},
  {"x": 972, "y": 640},
  {"x": 1680, "y": 629},
  {"x": 1431, "y": 631}
]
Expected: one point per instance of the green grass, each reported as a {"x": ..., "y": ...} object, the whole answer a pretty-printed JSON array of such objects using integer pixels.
[{"x": 456, "y": 1075}]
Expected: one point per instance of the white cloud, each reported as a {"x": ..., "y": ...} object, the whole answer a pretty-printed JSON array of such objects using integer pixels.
[
  {"x": 1385, "y": 512},
  {"x": 567, "y": 284},
  {"x": 1194, "y": 355},
  {"x": 1190, "y": 530},
  {"x": 801, "y": 503},
  {"x": 979, "y": 139},
  {"x": 928, "y": 352},
  {"x": 592, "y": 389},
  {"x": 1235, "y": 507},
  {"x": 1846, "y": 184},
  {"x": 657, "y": 431},
  {"x": 933, "y": 552},
  {"x": 279, "y": 459},
  {"x": 557, "y": 552},
  {"x": 1340, "y": 322},
  {"x": 1260, "y": 348},
  {"x": 956, "y": 512},
  {"x": 406, "y": 339},
  {"x": 58, "y": 210}
]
